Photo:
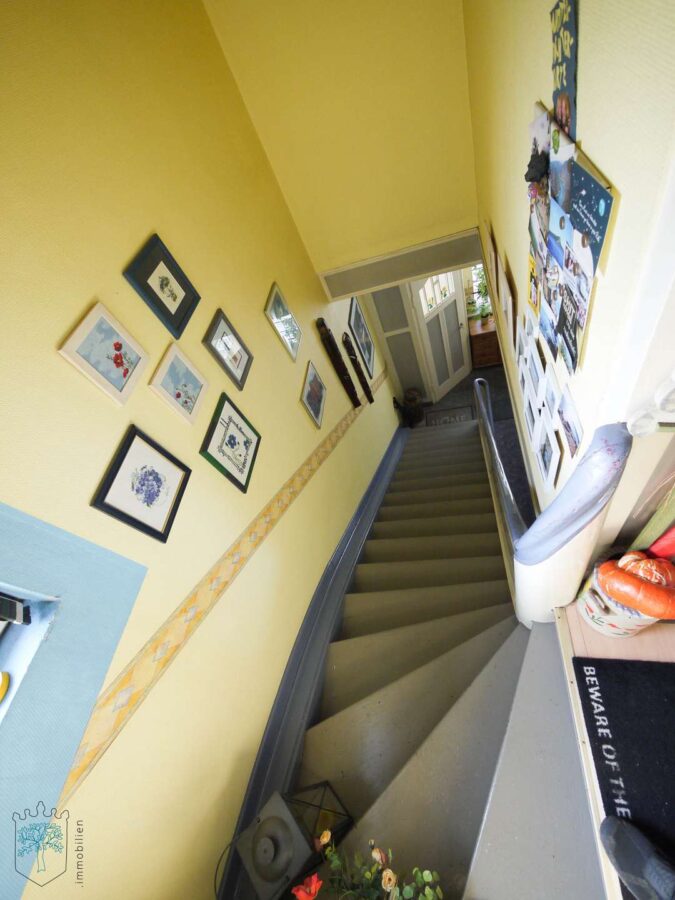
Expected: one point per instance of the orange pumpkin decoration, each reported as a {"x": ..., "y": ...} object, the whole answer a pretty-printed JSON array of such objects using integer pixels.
[{"x": 647, "y": 585}]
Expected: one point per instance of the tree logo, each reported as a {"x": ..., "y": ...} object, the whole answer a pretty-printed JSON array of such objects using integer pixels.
[{"x": 41, "y": 844}]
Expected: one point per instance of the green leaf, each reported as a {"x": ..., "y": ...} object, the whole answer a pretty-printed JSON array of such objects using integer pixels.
[
  {"x": 428, "y": 893},
  {"x": 367, "y": 875},
  {"x": 419, "y": 881},
  {"x": 437, "y": 877},
  {"x": 428, "y": 877},
  {"x": 408, "y": 892},
  {"x": 395, "y": 894},
  {"x": 439, "y": 892}
]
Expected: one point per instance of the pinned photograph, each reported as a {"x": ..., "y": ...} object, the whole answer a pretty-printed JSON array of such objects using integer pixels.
[
  {"x": 106, "y": 354},
  {"x": 569, "y": 422},
  {"x": 314, "y": 395},
  {"x": 228, "y": 349},
  {"x": 179, "y": 384},
  {"x": 231, "y": 444},
  {"x": 547, "y": 324},
  {"x": 283, "y": 321},
  {"x": 163, "y": 285},
  {"x": 559, "y": 233}
]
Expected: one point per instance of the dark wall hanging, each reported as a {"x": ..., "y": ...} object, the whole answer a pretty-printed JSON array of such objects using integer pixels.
[
  {"x": 360, "y": 374},
  {"x": 163, "y": 285},
  {"x": 341, "y": 370}
]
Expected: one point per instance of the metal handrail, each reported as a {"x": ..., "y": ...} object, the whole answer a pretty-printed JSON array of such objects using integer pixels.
[{"x": 586, "y": 493}]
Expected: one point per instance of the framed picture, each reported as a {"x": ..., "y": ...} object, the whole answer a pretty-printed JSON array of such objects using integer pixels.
[
  {"x": 283, "y": 321},
  {"x": 547, "y": 449},
  {"x": 143, "y": 486},
  {"x": 107, "y": 354},
  {"x": 231, "y": 443},
  {"x": 227, "y": 348},
  {"x": 314, "y": 394},
  {"x": 531, "y": 324},
  {"x": 552, "y": 392},
  {"x": 568, "y": 420},
  {"x": 180, "y": 384},
  {"x": 163, "y": 285},
  {"x": 359, "y": 329},
  {"x": 536, "y": 369},
  {"x": 521, "y": 342},
  {"x": 531, "y": 407}
]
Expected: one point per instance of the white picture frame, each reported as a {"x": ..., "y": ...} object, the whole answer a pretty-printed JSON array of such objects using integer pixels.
[
  {"x": 569, "y": 423},
  {"x": 547, "y": 449},
  {"x": 180, "y": 384},
  {"x": 521, "y": 342},
  {"x": 530, "y": 409},
  {"x": 552, "y": 392},
  {"x": 536, "y": 371},
  {"x": 283, "y": 321},
  {"x": 531, "y": 324},
  {"x": 105, "y": 353}
]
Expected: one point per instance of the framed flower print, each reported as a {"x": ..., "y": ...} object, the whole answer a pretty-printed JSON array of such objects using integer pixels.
[
  {"x": 283, "y": 321},
  {"x": 143, "y": 486},
  {"x": 163, "y": 285},
  {"x": 178, "y": 382},
  {"x": 314, "y": 394},
  {"x": 227, "y": 348},
  {"x": 359, "y": 329},
  {"x": 106, "y": 354},
  {"x": 231, "y": 444}
]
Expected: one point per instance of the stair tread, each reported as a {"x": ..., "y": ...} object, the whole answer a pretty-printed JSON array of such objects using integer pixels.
[
  {"x": 459, "y": 524},
  {"x": 438, "y": 481},
  {"x": 538, "y": 809},
  {"x": 356, "y": 667},
  {"x": 377, "y": 576},
  {"x": 443, "y": 546},
  {"x": 469, "y": 505},
  {"x": 361, "y": 748},
  {"x": 458, "y": 491},
  {"x": 446, "y": 782},
  {"x": 440, "y": 469},
  {"x": 368, "y": 612}
]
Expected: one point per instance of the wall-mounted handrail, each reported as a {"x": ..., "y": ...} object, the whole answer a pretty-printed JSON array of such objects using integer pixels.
[{"x": 551, "y": 556}]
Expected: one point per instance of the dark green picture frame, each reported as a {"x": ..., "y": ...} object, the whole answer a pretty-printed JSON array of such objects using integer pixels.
[{"x": 232, "y": 437}]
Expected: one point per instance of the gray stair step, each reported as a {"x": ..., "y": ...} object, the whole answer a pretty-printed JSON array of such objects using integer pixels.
[
  {"x": 359, "y": 666},
  {"x": 424, "y": 481},
  {"x": 447, "y": 468},
  {"x": 470, "y": 506},
  {"x": 387, "y": 576},
  {"x": 537, "y": 837},
  {"x": 439, "y": 546},
  {"x": 455, "y": 492},
  {"x": 431, "y": 812},
  {"x": 360, "y": 749},
  {"x": 447, "y": 452},
  {"x": 462, "y": 524},
  {"x": 457, "y": 431},
  {"x": 377, "y": 610}
]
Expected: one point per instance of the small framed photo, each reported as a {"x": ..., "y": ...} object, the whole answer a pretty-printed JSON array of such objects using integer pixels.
[
  {"x": 552, "y": 392},
  {"x": 361, "y": 333},
  {"x": 283, "y": 321},
  {"x": 521, "y": 343},
  {"x": 180, "y": 384},
  {"x": 107, "y": 354},
  {"x": 231, "y": 443},
  {"x": 314, "y": 394},
  {"x": 547, "y": 449},
  {"x": 531, "y": 324},
  {"x": 227, "y": 348},
  {"x": 569, "y": 422},
  {"x": 536, "y": 369},
  {"x": 163, "y": 285},
  {"x": 143, "y": 486},
  {"x": 531, "y": 407}
]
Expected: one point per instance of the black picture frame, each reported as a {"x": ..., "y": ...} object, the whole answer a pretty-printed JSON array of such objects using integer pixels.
[
  {"x": 221, "y": 319},
  {"x": 361, "y": 334},
  {"x": 99, "y": 500},
  {"x": 146, "y": 265},
  {"x": 208, "y": 437}
]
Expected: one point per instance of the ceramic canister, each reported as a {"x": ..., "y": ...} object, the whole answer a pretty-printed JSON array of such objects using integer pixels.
[{"x": 606, "y": 615}]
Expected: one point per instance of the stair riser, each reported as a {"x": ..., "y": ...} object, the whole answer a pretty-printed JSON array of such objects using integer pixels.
[
  {"x": 439, "y": 547},
  {"x": 469, "y": 506},
  {"x": 389, "y": 576},
  {"x": 450, "y": 468},
  {"x": 440, "y": 481},
  {"x": 457, "y": 431},
  {"x": 456, "y": 492},
  {"x": 380, "y": 610},
  {"x": 442, "y": 451},
  {"x": 476, "y": 524}
]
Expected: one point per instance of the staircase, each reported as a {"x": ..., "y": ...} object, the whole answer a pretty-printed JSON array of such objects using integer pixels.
[{"x": 420, "y": 684}]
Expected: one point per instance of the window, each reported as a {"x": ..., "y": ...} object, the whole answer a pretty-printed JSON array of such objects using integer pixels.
[{"x": 435, "y": 291}]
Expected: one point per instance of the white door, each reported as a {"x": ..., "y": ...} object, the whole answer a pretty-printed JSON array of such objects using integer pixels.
[{"x": 439, "y": 312}]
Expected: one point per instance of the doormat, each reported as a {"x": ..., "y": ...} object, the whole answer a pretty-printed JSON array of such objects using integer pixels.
[
  {"x": 449, "y": 416},
  {"x": 629, "y": 710}
]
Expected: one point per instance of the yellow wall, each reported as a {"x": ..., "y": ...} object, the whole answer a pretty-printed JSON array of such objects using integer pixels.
[
  {"x": 626, "y": 81},
  {"x": 120, "y": 119},
  {"x": 363, "y": 111}
]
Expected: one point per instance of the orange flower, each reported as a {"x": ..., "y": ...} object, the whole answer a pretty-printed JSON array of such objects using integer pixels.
[
  {"x": 388, "y": 880},
  {"x": 308, "y": 889}
]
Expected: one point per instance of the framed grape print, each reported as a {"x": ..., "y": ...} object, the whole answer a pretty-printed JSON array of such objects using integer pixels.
[
  {"x": 283, "y": 321},
  {"x": 178, "y": 382},
  {"x": 359, "y": 328},
  {"x": 314, "y": 394},
  {"x": 143, "y": 486},
  {"x": 106, "y": 354},
  {"x": 163, "y": 285},
  {"x": 231, "y": 444},
  {"x": 227, "y": 348}
]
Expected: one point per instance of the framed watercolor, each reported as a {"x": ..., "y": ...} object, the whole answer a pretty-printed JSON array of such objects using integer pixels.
[
  {"x": 547, "y": 449},
  {"x": 163, "y": 285},
  {"x": 283, "y": 321},
  {"x": 569, "y": 422},
  {"x": 361, "y": 333},
  {"x": 143, "y": 486},
  {"x": 535, "y": 367},
  {"x": 226, "y": 346},
  {"x": 552, "y": 392},
  {"x": 314, "y": 394},
  {"x": 231, "y": 443},
  {"x": 106, "y": 353},
  {"x": 180, "y": 384}
]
